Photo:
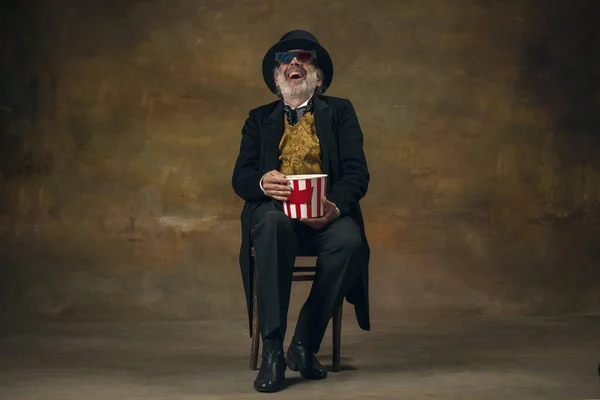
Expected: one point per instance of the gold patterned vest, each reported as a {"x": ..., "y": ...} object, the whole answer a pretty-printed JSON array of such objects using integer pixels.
[{"x": 299, "y": 149}]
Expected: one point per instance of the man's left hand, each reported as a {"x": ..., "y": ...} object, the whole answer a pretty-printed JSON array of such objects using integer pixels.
[{"x": 329, "y": 215}]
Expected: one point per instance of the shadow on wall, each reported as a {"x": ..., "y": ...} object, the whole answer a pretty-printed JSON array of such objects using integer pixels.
[
  {"x": 19, "y": 87},
  {"x": 561, "y": 64}
]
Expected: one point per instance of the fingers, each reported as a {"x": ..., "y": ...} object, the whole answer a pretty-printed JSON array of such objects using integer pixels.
[
  {"x": 276, "y": 186},
  {"x": 281, "y": 193},
  {"x": 328, "y": 203},
  {"x": 276, "y": 181},
  {"x": 277, "y": 196},
  {"x": 275, "y": 176},
  {"x": 329, "y": 209},
  {"x": 278, "y": 192}
]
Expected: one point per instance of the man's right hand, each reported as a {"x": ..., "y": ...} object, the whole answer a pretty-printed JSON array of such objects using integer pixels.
[{"x": 275, "y": 185}]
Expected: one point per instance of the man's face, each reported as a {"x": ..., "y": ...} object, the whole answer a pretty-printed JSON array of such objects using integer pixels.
[{"x": 297, "y": 79}]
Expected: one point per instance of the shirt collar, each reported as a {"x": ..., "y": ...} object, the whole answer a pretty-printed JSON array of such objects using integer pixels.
[
  {"x": 293, "y": 115},
  {"x": 301, "y": 105}
]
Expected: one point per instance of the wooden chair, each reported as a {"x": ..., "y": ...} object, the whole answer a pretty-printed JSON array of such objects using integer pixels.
[{"x": 300, "y": 273}]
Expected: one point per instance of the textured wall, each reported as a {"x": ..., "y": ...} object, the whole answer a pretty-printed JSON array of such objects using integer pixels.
[{"x": 121, "y": 122}]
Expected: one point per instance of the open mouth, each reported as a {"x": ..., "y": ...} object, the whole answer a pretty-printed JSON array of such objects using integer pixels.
[{"x": 295, "y": 74}]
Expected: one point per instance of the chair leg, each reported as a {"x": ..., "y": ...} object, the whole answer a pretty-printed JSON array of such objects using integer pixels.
[
  {"x": 337, "y": 336},
  {"x": 255, "y": 330}
]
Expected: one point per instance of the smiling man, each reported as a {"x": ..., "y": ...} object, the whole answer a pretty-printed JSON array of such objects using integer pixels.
[{"x": 304, "y": 132}]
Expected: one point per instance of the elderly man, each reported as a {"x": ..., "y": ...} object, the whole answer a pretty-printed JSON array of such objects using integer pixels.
[{"x": 304, "y": 132}]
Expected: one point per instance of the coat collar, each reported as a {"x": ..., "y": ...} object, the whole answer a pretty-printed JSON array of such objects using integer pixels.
[{"x": 319, "y": 103}]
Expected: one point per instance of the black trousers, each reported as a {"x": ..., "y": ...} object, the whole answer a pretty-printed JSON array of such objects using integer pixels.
[{"x": 277, "y": 240}]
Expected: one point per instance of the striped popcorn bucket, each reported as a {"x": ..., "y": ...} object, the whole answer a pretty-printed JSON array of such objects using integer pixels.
[{"x": 306, "y": 200}]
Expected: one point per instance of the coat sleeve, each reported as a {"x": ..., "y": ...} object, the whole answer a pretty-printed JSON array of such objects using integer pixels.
[
  {"x": 246, "y": 173},
  {"x": 354, "y": 177}
]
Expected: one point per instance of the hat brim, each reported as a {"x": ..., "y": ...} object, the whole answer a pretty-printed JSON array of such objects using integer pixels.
[{"x": 323, "y": 60}]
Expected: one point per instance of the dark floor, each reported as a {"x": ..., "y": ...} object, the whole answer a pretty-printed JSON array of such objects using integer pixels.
[{"x": 445, "y": 358}]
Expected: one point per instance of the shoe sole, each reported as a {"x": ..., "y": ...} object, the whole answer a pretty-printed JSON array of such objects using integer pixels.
[
  {"x": 294, "y": 367},
  {"x": 277, "y": 389}
]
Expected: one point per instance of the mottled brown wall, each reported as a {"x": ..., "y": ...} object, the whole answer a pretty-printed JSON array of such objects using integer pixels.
[{"x": 121, "y": 122}]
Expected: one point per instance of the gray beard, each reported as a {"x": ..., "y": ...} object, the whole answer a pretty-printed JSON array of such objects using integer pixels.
[{"x": 297, "y": 92}]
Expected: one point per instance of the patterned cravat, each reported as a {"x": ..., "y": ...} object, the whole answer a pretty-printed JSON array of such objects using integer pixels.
[{"x": 293, "y": 116}]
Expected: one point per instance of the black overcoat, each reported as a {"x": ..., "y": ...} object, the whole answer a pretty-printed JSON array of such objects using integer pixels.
[{"x": 343, "y": 159}]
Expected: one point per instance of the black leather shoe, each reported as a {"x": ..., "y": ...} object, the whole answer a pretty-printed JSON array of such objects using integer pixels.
[
  {"x": 271, "y": 375},
  {"x": 299, "y": 358}
]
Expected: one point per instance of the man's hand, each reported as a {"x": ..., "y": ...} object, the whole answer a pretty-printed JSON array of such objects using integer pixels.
[
  {"x": 330, "y": 215},
  {"x": 275, "y": 185}
]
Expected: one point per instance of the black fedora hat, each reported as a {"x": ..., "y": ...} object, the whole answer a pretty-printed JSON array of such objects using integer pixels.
[{"x": 301, "y": 40}]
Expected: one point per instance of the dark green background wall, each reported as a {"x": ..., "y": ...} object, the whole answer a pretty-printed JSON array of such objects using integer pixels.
[{"x": 121, "y": 122}]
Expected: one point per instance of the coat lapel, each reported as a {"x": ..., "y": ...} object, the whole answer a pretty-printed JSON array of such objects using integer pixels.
[
  {"x": 272, "y": 133},
  {"x": 323, "y": 123}
]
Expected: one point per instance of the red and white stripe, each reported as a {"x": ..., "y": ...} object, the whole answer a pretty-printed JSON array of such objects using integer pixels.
[{"x": 312, "y": 209}]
